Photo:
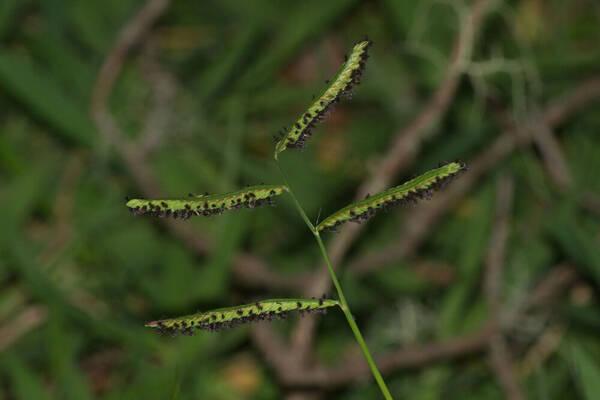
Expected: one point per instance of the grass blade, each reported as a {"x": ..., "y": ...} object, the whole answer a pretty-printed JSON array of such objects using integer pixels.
[
  {"x": 586, "y": 371},
  {"x": 45, "y": 99}
]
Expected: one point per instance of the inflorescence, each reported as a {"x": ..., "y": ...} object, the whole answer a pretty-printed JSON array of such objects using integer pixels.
[
  {"x": 227, "y": 318},
  {"x": 419, "y": 188},
  {"x": 349, "y": 75},
  {"x": 206, "y": 205}
]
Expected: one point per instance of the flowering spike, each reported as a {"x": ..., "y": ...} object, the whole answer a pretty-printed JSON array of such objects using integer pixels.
[
  {"x": 348, "y": 76},
  {"x": 207, "y": 205},
  {"x": 421, "y": 187},
  {"x": 231, "y": 317}
]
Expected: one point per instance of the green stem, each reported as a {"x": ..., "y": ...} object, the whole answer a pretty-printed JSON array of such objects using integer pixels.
[
  {"x": 345, "y": 308},
  {"x": 353, "y": 326},
  {"x": 296, "y": 202}
]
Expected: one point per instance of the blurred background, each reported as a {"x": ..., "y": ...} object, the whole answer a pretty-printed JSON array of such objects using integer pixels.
[{"x": 488, "y": 291}]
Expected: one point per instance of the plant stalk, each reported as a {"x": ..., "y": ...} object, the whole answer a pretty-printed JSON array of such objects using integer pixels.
[
  {"x": 345, "y": 308},
  {"x": 352, "y": 323}
]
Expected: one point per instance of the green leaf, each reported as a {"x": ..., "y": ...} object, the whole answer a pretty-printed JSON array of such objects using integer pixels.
[
  {"x": 63, "y": 359},
  {"x": 25, "y": 384},
  {"x": 216, "y": 273},
  {"x": 576, "y": 241},
  {"x": 44, "y": 98},
  {"x": 63, "y": 62},
  {"x": 9, "y": 10},
  {"x": 474, "y": 243},
  {"x": 586, "y": 371}
]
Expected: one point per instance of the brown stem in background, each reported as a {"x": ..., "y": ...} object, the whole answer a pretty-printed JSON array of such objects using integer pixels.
[
  {"x": 502, "y": 366},
  {"x": 573, "y": 101},
  {"x": 497, "y": 247},
  {"x": 164, "y": 90},
  {"x": 129, "y": 37},
  {"x": 591, "y": 202},
  {"x": 407, "y": 141},
  {"x": 24, "y": 321},
  {"x": 542, "y": 349},
  {"x": 499, "y": 352},
  {"x": 552, "y": 156}
]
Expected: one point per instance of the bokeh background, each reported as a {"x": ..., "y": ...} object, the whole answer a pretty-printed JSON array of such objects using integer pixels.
[{"x": 488, "y": 291}]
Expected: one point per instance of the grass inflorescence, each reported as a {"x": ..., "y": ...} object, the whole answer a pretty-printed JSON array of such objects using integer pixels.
[
  {"x": 206, "y": 205},
  {"x": 226, "y": 318},
  {"x": 341, "y": 85},
  {"x": 421, "y": 187}
]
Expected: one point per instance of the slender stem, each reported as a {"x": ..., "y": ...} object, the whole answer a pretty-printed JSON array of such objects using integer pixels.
[
  {"x": 296, "y": 202},
  {"x": 344, "y": 306},
  {"x": 353, "y": 326}
]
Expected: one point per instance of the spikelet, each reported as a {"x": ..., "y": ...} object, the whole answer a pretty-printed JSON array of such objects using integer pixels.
[
  {"x": 231, "y": 317},
  {"x": 207, "y": 205},
  {"x": 348, "y": 76},
  {"x": 421, "y": 187}
]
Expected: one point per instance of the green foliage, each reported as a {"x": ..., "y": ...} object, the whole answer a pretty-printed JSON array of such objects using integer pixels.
[
  {"x": 26, "y": 384},
  {"x": 586, "y": 371},
  {"x": 577, "y": 242},
  {"x": 45, "y": 99}
]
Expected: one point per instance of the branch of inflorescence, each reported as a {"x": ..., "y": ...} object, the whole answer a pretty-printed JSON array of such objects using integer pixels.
[{"x": 344, "y": 304}]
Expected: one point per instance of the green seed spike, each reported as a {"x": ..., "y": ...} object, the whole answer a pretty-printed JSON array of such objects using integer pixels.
[
  {"x": 348, "y": 76},
  {"x": 207, "y": 205},
  {"x": 421, "y": 187},
  {"x": 230, "y": 317}
]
